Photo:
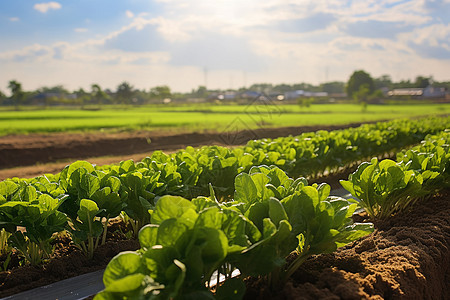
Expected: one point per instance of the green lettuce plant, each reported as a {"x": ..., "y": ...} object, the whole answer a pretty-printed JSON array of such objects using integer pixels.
[{"x": 187, "y": 241}]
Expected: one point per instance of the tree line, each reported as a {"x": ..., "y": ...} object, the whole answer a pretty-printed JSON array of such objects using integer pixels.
[{"x": 360, "y": 86}]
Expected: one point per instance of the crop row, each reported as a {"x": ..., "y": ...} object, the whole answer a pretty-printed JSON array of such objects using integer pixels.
[
  {"x": 308, "y": 155},
  {"x": 82, "y": 198},
  {"x": 388, "y": 187},
  {"x": 270, "y": 217}
]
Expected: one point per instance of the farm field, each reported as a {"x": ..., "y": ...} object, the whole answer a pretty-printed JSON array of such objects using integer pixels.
[
  {"x": 269, "y": 200},
  {"x": 316, "y": 153},
  {"x": 204, "y": 117}
]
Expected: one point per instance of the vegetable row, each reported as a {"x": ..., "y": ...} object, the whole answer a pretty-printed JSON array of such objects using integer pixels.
[
  {"x": 387, "y": 187},
  {"x": 270, "y": 216},
  {"x": 82, "y": 198}
]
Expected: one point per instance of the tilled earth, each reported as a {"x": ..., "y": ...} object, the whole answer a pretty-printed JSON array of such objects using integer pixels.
[{"x": 36, "y": 154}]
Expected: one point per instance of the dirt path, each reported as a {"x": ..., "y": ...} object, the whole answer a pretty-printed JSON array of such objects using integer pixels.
[{"x": 35, "y": 154}]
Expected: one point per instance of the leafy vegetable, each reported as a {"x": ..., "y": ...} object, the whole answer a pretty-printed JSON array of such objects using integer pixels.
[{"x": 271, "y": 216}]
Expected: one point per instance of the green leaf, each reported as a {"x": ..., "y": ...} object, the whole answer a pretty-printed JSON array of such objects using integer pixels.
[
  {"x": 257, "y": 213},
  {"x": 158, "y": 259},
  {"x": 323, "y": 190},
  {"x": 27, "y": 193},
  {"x": 169, "y": 207},
  {"x": 109, "y": 201},
  {"x": 245, "y": 189},
  {"x": 347, "y": 185},
  {"x": 276, "y": 211},
  {"x": 126, "y": 166},
  {"x": 126, "y": 284},
  {"x": 260, "y": 180},
  {"x": 7, "y": 188},
  {"x": 90, "y": 184},
  {"x": 112, "y": 182},
  {"x": 148, "y": 236},
  {"x": 88, "y": 210},
  {"x": 122, "y": 265},
  {"x": 353, "y": 232},
  {"x": 214, "y": 244},
  {"x": 202, "y": 203},
  {"x": 170, "y": 230}
]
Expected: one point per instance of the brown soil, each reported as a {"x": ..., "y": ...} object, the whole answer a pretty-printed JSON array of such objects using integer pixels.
[
  {"x": 67, "y": 261},
  {"x": 36, "y": 154},
  {"x": 407, "y": 257}
]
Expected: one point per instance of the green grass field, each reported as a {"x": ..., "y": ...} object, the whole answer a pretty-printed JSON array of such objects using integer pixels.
[{"x": 203, "y": 117}]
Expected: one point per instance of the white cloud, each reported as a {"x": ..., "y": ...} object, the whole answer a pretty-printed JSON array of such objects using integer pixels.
[
  {"x": 44, "y": 7},
  {"x": 274, "y": 41},
  {"x": 29, "y": 53},
  {"x": 14, "y": 19},
  {"x": 80, "y": 30}
]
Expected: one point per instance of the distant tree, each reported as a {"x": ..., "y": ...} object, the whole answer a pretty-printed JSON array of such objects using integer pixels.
[
  {"x": 358, "y": 79},
  {"x": 57, "y": 89},
  {"x": 361, "y": 95},
  {"x": 97, "y": 94},
  {"x": 82, "y": 97},
  {"x": 201, "y": 92},
  {"x": 333, "y": 87},
  {"x": 261, "y": 87},
  {"x": 422, "y": 82},
  {"x": 2, "y": 97},
  {"x": 304, "y": 86},
  {"x": 17, "y": 94},
  {"x": 282, "y": 88},
  {"x": 442, "y": 84},
  {"x": 160, "y": 92},
  {"x": 124, "y": 93},
  {"x": 403, "y": 84},
  {"x": 383, "y": 81}
]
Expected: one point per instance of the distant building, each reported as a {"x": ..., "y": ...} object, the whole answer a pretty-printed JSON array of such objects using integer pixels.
[
  {"x": 250, "y": 95},
  {"x": 434, "y": 92},
  {"x": 301, "y": 93},
  {"x": 428, "y": 92}
]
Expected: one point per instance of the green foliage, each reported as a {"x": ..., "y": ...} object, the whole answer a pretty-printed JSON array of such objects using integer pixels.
[
  {"x": 292, "y": 216},
  {"x": 383, "y": 188},
  {"x": 388, "y": 187},
  {"x": 271, "y": 216},
  {"x": 124, "y": 93},
  {"x": 91, "y": 195},
  {"x": 357, "y": 80},
  {"x": 17, "y": 94},
  {"x": 160, "y": 92},
  {"x": 305, "y": 102},
  {"x": 38, "y": 214}
]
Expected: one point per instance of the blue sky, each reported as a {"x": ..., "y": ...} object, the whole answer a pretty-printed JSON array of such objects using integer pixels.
[{"x": 221, "y": 43}]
